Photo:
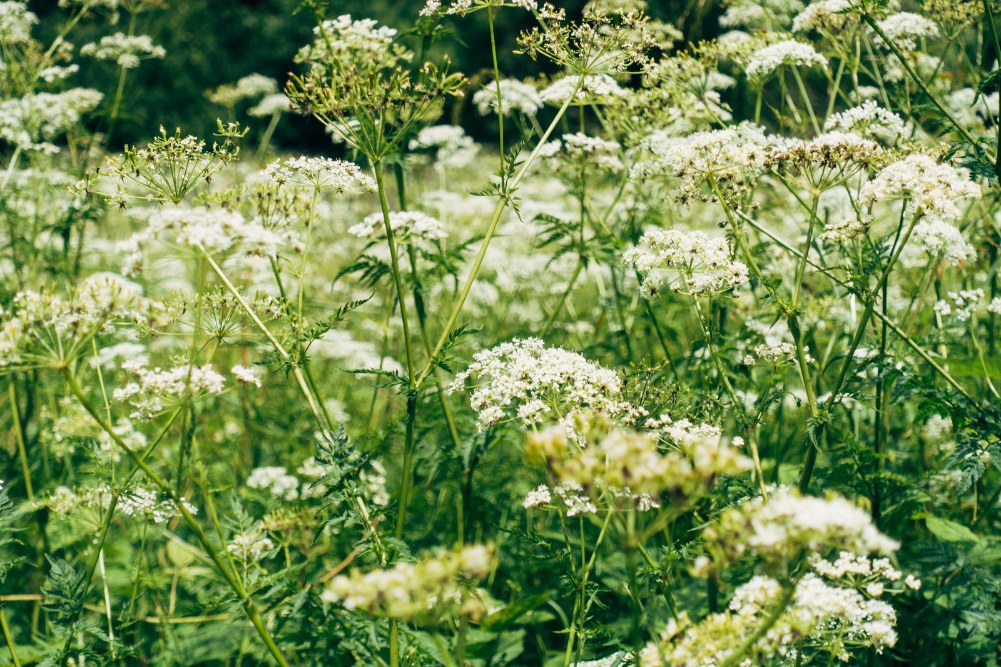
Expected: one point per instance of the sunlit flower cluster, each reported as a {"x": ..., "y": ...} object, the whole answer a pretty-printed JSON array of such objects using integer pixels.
[{"x": 704, "y": 263}]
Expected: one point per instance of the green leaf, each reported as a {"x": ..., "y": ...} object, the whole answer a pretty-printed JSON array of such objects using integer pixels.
[
  {"x": 990, "y": 79},
  {"x": 511, "y": 613},
  {"x": 950, "y": 531}
]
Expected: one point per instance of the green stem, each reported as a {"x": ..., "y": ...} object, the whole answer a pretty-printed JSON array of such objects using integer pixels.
[
  {"x": 806, "y": 99},
  {"x": 234, "y": 583},
  {"x": 563, "y": 298},
  {"x": 10, "y": 639},
  {"x": 491, "y": 228},
  {"x": 917, "y": 79},
  {"x": 15, "y": 412},
  {"x": 302, "y": 265},
  {"x": 737, "y": 656}
]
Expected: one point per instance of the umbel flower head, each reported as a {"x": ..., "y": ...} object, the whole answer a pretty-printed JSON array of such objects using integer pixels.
[
  {"x": 423, "y": 592},
  {"x": 780, "y": 532},
  {"x": 45, "y": 329},
  {"x": 169, "y": 168},
  {"x": 765, "y": 62},
  {"x": 320, "y": 172},
  {"x": 126, "y": 50},
  {"x": 927, "y": 185},
  {"x": 703, "y": 262},
  {"x": 360, "y": 86},
  {"x": 514, "y": 96},
  {"x": 526, "y": 380}
]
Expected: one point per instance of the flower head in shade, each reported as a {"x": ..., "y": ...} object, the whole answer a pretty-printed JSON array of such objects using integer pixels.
[
  {"x": 514, "y": 96},
  {"x": 126, "y": 50}
]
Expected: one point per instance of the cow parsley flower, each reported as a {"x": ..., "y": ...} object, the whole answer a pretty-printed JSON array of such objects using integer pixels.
[
  {"x": 211, "y": 230},
  {"x": 903, "y": 28},
  {"x": 417, "y": 591},
  {"x": 270, "y": 105},
  {"x": 826, "y": 16},
  {"x": 539, "y": 497},
  {"x": 704, "y": 262},
  {"x": 246, "y": 375},
  {"x": 596, "y": 88},
  {"x": 16, "y": 22},
  {"x": 869, "y": 120},
  {"x": 453, "y": 147},
  {"x": 126, "y": 50},
  {"x": 790, "y": 52},
  {"x": 320, "y": 172},
  {"x": 251, "y": 86},
  {"x": 276, "y": 481},
  {"x": 406, "y": 225},
  {"x": 930, "y": 186},
  {"x": 514, "y": 96},
  {"x": 28, "y": 120},
  {"x": 148, "y": 388},
  {"x": 527, "y": 380},
  {"x": 939, "y": 237},
  {"x": 142, "y": 502}
]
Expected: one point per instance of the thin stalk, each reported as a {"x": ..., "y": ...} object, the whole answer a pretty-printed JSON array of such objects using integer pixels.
[
  {"x": 737, "y": 656},
  {"x": 917, "y": 79},
  {"x": 497, "y": 82},
  {"x": 835, "y": 89},
  {"x": 233, "y": 582},
  {"x": 563, "y": 298},
  {"x": 806, "y": 99},
  {"x": 305, "y": 253},
  {"x": 266, "y": 139},
  {"x": 15, "y": 412},
  {"x": 10, "y": 639},
  {"x": 491, "y": 228},
  {"x": 811, "y": 455}
]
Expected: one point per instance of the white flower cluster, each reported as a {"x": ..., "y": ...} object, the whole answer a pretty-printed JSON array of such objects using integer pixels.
[
  {"x": 539, "y": 497},
  {"x": 29, "y": 120},
  {"x": 846, "y": 229},
  {"x": 406, "y": 225},
  {"x": 966, "y": 303},
  {"x": 251, "y": 86},
  {"x": 15, "y": 22},
  {"x": 454, "y": 148},
  {"x": 779, "y": 529},
  {"x": 276, "y": 481},
  {"x": 789, "y": 52},
  {"x": 211, "y": 230},
  {"x": 596, "y": 87},
  {"x": 416, "y": 590},
  {"x": 633, "y": 463},
  {"x": 514, "y": 96},
  {"x": 831, "y": 618},
  {"x": 65, "y": 500},
  {"x": 994, "y": 306},
  {"x": 269, "y": 105},
  {"x": 142, "y": 502},
  {"x": 869, "y": 120},
  {"x": 360, "y": 42},
  {"x": 320, "y": 172},
  {"x": 37, "y": 319},
  {"x": 903, "y": 28},
  {"x": 784, "y": 353},
  {"x": 703, "y": 261},
  {"x": 939, "y": 237},
  {"x": 146, "y": 391},
  {"x": 825, "y": 15},
  {"x": 126, "y": 50},
  {"x": 580, "y": 150},
  {"x": 732, "y": 158},
  {"x": 930, "y": 186},
  {"x": 574, "y": 499},
  {"x": 538, "y": 383},
  {"x": 246, "y": 375}
]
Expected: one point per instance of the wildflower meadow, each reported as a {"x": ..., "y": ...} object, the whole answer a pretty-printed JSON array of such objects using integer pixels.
[{"x": 676, "y": 352}]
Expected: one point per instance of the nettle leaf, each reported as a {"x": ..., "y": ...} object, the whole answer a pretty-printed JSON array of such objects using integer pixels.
[{"x": 950, "y": 531}]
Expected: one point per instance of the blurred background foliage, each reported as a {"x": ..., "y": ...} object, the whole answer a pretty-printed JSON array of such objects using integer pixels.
[{"x": 214, "y": 42}]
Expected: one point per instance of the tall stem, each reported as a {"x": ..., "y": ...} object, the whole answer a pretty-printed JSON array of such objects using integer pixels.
[
  {"x": 10, "y": 639},
  {"x": 15, "y": 412},
  {"x": 806, "y": 99},
  {"x": 305, "y": 252},
  {"x": 491, "y": 228},
  {"x": 230, "y": 577}
]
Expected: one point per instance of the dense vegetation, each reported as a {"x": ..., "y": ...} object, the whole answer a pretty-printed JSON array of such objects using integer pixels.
[{"x": 500, "y": 334}]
